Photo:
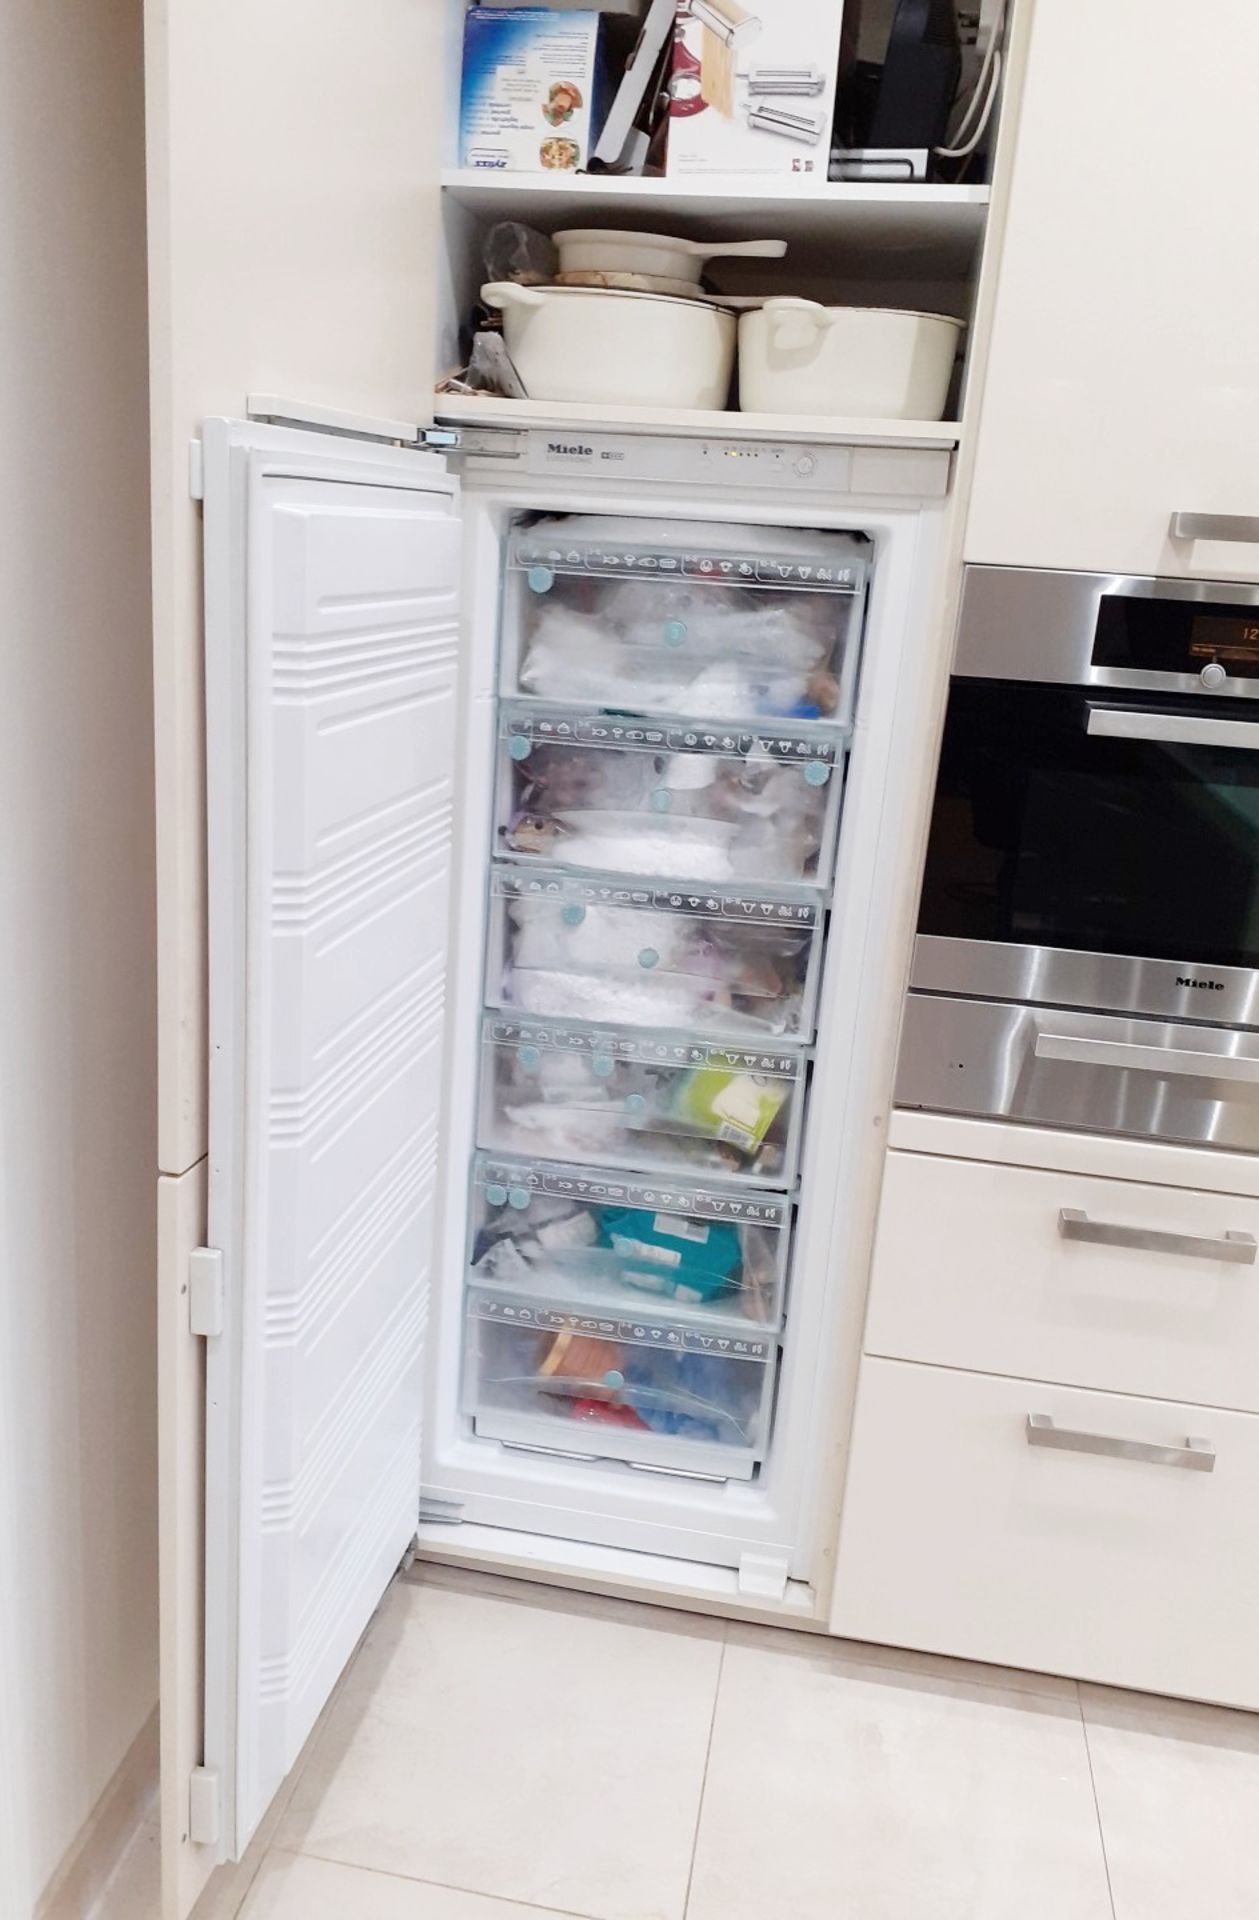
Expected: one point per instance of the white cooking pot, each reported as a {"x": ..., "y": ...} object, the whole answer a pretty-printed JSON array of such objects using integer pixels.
[
  {"x": 872, "y": 363},
  {"x": 609, "y": 250},
  {"x": 632, "y": 349}
]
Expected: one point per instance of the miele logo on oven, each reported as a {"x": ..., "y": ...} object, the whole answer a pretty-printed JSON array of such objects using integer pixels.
[{"x": 1210, "y": 986}]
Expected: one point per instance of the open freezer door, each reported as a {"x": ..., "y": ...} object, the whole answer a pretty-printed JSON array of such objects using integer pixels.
[{"x": 331, "y": 637}]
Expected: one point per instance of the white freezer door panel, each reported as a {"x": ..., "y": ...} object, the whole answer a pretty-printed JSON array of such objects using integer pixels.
[{"x": 331, "y": 583}]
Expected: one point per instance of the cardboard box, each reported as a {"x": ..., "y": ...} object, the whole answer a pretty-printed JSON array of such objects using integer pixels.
[
  {"x": 534, "y": 88},
  {"x": 753, "y": 87}
]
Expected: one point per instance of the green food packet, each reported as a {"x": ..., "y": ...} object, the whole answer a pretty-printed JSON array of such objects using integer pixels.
[{"x": 739, "y": 1108}]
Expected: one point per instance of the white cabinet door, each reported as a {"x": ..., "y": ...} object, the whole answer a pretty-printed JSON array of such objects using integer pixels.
[
  {"x": 331, "y": 603},
  {"x": 1105, "y": 1283},
  {"x": 1123, "y": 383},
  {"x": 1092, "y": 1534}
]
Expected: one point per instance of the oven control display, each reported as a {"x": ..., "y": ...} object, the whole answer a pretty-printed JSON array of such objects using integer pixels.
[
  {"x": 1176, "y": 636},
  {"x": 1231, "y": 638}
]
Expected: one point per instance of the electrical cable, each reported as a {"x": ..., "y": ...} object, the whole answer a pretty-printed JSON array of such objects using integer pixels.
[{"x": 983, "y": 98}]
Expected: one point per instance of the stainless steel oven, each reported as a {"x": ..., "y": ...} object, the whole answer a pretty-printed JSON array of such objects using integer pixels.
[{"x": 1088, "y": 935}]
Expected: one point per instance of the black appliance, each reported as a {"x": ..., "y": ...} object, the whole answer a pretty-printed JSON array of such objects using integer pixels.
[{"x": 902, "y": 104}]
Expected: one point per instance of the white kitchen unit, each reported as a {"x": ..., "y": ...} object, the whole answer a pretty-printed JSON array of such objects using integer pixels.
[
  {"x": 1057, "y": 1430},
  {"x": 475, "y": 938},
  {"x": 1123, "y": 385}
]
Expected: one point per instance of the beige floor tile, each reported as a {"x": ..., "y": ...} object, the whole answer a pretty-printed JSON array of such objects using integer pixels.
[
  {"x": 292, "y": 1886},
  {"x": 1178, "y": 1792},
  {"x": 926, "y": 1665},
  {"x": 550, "y": 1753},
  {"x": 841, "y": 1790}
]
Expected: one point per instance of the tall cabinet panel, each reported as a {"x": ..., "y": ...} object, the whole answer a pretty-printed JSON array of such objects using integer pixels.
[
  {"x": 292, "y": 231},
  {"x": 1123, "y": 383},
  {"x": 293, "y": 208}
]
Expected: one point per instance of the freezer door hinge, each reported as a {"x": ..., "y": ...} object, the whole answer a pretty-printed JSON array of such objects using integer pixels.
[
  {"x": 439, "y": 1512},
  {"x": 205, "y": 1292},
  {"x": 441, "y": 439},
  {"x": 205, "y": 1807},
  {"x": 196, "y": 469},
  {"x": 763, "y": 1576}
]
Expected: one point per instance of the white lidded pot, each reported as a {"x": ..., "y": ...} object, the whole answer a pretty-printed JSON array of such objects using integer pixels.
[
  {"x": 870, "y": 363},
  {"x": 592, "y": 345}
]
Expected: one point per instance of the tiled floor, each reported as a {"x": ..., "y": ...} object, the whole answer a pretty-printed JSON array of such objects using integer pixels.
[{"x": 503, "y": 1752}]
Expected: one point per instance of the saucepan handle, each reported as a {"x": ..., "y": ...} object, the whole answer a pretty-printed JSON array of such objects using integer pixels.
[
  {"x": 508, "y": 293},
  {"x": 736, "y": 249},
  {"x": 795, "y": 324}
]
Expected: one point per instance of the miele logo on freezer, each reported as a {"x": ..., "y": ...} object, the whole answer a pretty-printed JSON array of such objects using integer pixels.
[
  {"x": 570, "y": 450},
  {"x": 1208, "y": 986}
]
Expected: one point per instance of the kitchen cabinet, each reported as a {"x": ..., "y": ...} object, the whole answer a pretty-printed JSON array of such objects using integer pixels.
[
  {"x": 1098, "y": 1535},
  {"x": 1061, "y": 1276},
  {"x": 1123, "y": 379},
  {"x": 1056, "y": 1428}
]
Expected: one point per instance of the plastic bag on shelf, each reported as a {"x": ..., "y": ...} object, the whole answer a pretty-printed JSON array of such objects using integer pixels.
[{"x": 513, "y": 251}]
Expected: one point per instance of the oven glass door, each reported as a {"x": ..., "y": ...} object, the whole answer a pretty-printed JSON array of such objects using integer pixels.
[{"x": 1100, "y": 823}]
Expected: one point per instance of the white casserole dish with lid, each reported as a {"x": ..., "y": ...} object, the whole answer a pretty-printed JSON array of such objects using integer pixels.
[
  {"x": 594, "y": 345},
  {"x": 870, "y": 363}
]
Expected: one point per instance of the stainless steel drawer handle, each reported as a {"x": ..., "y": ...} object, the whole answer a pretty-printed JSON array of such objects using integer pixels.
[
  {"x": 1215, "y": 526},
  {"x": 1196, "y": 1456},
  {"x": 1184, "y": 1061},
  {"x": 1237, "y": 1248}
]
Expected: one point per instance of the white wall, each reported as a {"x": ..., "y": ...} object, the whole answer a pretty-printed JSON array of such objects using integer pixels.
[{"x": 78, "y": 1599}]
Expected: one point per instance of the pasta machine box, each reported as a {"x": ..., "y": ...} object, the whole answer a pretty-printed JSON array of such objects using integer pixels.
[{"x": 753, "y": 86}]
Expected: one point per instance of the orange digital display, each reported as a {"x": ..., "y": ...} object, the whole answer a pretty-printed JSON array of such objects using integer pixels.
[{"x": 1225, "y": 637}]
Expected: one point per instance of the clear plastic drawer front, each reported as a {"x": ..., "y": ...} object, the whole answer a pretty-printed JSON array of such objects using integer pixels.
[
  {"x": 614, "y": 1386},
  {"x": 689, "y": 801},
  {"x": 656, "y": 1102},
  {"x": 721, "y": 961},
  {"x": 739, "y": 623},
  {"x": 625, "y": 1243}
]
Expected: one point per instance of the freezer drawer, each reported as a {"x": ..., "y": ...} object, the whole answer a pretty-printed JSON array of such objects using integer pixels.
[
  {"x": 653, "y": 1102},
  {"x": 540, "y": 1373},
  {"x": 721, "y": 960},
  {"x": 688, "y": 801},
  {"x": 625, "y": 1243},
  {"x": 738, "y": 623}
]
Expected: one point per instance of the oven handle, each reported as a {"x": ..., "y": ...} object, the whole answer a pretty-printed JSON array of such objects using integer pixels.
[
  {"x": 1131, "y": 1055},
  {"x": 1179, "y": 729}
]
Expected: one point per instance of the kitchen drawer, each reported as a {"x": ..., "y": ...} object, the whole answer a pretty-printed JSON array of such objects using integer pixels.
[
  {"x": 653, "y": 1102},
  {"x": 975, "y": 1266},
  {"x": 724, "y": 627},
  {"x": 692, "y": 801},
  {"x": 539, "y": 1372},
  {"x": 719, "y": 960},
  {"x": 629, "y": 1243},
  {"x": 960, "y": 1537}
]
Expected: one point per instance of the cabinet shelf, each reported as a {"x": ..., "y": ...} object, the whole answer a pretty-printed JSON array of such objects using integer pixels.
[
  {"x": 948, "y": 220},
  {"x": 473, "y": 410}
]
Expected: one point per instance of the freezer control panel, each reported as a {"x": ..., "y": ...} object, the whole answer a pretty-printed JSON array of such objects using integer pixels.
[
  {"x": 692, "y": 462},
  {"x": 804, "y": 467}
]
